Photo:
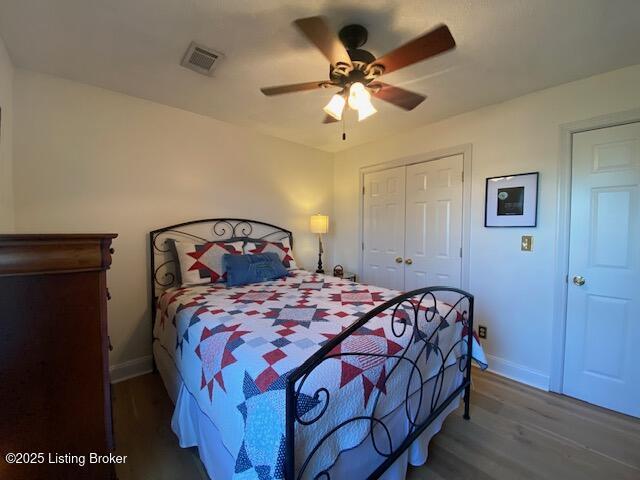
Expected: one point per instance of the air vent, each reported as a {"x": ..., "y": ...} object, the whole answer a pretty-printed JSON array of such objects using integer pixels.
[{"x": 201, "y": 59}]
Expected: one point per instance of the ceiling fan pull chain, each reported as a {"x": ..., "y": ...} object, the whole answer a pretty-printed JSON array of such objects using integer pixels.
[{"x": 344, "y": 134}]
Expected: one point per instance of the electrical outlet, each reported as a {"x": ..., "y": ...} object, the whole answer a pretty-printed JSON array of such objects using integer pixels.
[{"x": 482, "y": 331}]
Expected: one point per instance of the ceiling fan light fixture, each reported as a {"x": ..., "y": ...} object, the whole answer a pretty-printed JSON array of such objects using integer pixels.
[
  {"x": 360, "y": 100},
  {"x": 358, "y": 95},
  {"x": 365, "y": 110},
  {"x": 335, "y": 106}
]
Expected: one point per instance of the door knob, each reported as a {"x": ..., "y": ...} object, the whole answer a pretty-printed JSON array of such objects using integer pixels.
[
  {"x": 408, "y": 261},
  {"x": 398, "y": 259},
  {"x": 578, "y": 280}
]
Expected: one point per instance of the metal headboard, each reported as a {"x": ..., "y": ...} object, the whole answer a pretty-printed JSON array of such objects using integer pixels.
[{"x": 162, "y": 271}]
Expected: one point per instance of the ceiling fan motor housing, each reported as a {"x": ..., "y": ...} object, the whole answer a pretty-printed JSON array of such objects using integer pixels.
[{"x": 353, "y": 37}]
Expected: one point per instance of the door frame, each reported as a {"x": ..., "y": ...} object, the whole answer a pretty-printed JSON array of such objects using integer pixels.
[
  {"x": 466, "y": 151},
  {"x": 563, "y": 230}
]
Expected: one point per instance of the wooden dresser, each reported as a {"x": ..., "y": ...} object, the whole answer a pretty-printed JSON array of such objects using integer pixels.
[{"x": 55, "y": 393}]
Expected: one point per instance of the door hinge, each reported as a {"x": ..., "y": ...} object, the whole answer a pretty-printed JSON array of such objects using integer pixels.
[
  {"x": 463, "y": 176},
  {"x": 460, "y": 252},
  {"x": 363, "y": 246},
  {"x": 566, "y": 279},
  {"x": 363, "y": 190}
]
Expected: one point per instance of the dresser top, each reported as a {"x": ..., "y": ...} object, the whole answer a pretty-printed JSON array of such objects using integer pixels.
[
  {"x": 57, "y": 237},
  {"x": 35, "y": 254}
]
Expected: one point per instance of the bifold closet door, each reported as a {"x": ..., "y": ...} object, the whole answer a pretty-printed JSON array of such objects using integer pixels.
[
  {"x": 383, "y": 228},
  {"x": 433, "y": 225}
]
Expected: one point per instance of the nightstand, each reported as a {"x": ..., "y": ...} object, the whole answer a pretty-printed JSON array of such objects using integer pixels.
[{"x": 349, "y": 276}]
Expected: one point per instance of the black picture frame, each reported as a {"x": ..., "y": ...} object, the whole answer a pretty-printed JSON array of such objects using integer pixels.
[{"x": 521, "y": 211}]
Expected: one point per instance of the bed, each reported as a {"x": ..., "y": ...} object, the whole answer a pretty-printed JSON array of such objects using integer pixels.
[{"x": 308, "y": 376}]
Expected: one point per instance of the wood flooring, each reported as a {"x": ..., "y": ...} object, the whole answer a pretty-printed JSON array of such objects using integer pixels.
[{"x": 515, "y": 432}]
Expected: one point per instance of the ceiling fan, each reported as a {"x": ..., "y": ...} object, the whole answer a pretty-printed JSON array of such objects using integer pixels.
[{"x": 356, "y": 71}]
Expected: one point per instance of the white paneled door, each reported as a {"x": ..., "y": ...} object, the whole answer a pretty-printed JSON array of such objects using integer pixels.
[
  {"x": 412, "y": 225},
  {"x": 433, "y": 241},
  {"x": 383, "y": 228},
  {"x": 602, "y": 365}
]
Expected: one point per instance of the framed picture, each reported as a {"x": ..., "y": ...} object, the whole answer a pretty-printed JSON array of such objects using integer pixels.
[{"x": 511, "y": 201}]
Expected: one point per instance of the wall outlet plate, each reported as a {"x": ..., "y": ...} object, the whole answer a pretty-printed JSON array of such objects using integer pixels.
[
  {"x": 526, "y": 243},
  {"x": 482, "y": 331}
]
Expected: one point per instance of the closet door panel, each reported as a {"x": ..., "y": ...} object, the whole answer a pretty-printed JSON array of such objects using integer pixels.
[
  {"x": 383, "y": 228},
  {"x": 433, "y": 223}
]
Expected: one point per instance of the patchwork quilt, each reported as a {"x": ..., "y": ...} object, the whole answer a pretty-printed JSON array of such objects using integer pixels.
[{"x": 235, "y": 347}]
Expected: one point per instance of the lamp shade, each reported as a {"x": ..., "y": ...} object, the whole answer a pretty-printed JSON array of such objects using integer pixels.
[
  {"x": 358, "y": 95},
  {"x": 335, "y": 106},
  {"x": 319, "y": 223},
  {"x": 365, "y": 110}
]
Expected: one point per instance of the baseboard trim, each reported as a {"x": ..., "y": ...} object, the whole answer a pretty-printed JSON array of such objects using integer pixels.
[
  {"x": 517, "y": 372},
  {"x": 131, "y": 368}
]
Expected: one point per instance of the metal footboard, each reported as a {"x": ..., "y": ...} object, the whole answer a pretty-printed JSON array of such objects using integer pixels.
[{"x": 416, "y": 317}]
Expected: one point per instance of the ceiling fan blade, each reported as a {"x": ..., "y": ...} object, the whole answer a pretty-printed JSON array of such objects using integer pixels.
[
  {"x": 329, "y": 119},
  {"x": 317, "y": 31},
  {"x": 295, "y": 87},
  {"x": 428, "y": 45},
  {"x": 397, "y": 96}
]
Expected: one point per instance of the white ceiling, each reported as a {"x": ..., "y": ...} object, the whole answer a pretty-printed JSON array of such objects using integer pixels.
[{"x": 505, "y": 49}]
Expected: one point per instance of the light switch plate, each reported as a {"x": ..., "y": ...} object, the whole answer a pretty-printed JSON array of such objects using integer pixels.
[{"x": 526, "y": 244}]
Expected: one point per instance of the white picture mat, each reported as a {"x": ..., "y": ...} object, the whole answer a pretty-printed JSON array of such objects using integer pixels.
[{"x": 528, "y": 218}]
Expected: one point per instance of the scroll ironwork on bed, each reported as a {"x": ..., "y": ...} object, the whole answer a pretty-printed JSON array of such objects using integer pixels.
[
  {"x": 420, "y": 410},
  {"x": 417, "y": 310},
  {"x": 163, "y": 265}
]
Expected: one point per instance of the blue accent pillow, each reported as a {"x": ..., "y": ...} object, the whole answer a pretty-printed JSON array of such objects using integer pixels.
[{"x": 245, "y": 269}]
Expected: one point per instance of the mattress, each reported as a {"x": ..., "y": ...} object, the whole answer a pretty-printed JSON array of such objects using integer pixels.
[{"x": 232, "y": 349}]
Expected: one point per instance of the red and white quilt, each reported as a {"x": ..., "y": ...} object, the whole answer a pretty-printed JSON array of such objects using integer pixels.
[{"x": 234, "y": 348}]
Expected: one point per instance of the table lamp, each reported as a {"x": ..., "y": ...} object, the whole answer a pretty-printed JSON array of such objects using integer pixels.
[{"x": 319, "y": 224}]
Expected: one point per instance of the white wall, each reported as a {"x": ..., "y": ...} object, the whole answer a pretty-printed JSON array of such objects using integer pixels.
[
  {"x": 91, "y": 160},
  {"x": 87, "y": 159},
  {"x": 6, "y": 138},
  {"x": 513, "y": 289}
]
